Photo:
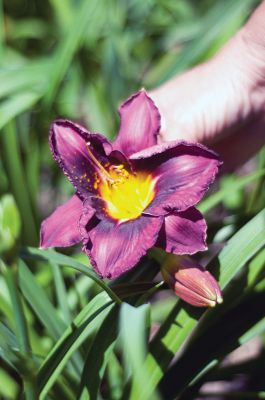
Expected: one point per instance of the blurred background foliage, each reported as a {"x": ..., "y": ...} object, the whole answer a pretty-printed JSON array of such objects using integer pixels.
[{"x": 59, "y": 329}]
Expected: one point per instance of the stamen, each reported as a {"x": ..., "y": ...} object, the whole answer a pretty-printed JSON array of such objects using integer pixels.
[
  {"x": 103, "y": 171},
  {"x": 128, "y": 197}
]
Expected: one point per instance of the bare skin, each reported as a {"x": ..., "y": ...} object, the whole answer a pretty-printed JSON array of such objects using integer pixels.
[{"x": 221, "y": 103}]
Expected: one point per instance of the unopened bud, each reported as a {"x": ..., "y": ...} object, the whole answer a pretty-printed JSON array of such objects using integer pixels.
[{"x": 191, "y": 282}]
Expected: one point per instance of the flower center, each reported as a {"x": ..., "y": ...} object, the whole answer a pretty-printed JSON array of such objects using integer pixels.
[{"x": 128, "y": 194}]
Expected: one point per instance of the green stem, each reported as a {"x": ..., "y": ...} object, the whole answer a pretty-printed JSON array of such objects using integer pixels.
[
  {"x": 30, "y": 390},
  {"x": 149, "y": 292},
  {"x": 159, "y": 255}
]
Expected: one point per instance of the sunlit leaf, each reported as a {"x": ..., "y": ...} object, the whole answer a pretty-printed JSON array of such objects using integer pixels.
[
  {"x": 10, "y": 222},
  {"x": 71, "y": 340}
]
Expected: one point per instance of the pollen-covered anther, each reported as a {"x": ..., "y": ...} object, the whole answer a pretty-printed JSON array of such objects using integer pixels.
[{"x": 118, "y": 171}]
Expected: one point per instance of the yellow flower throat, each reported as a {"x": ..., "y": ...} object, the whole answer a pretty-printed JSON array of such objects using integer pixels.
[{"x": 126, "y": 194}]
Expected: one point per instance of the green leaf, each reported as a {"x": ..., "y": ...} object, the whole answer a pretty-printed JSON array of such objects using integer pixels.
[
  {"x": 32, "y": 170},
  {"x": 78, "y": 292},
  {"x": 88, "y": 15},
  {"x": 9, "y": 388},
  {"x": 13, "y": 353},
  {"x": 99, "y": 118},
  {"x": 218, "y": 18},
  {"x": 82, "y": 326},
  {"x": 216, "y": 198},
  {"x": 181, "y": 321},
  {"x": 229, "y": 183},
  {"x": 257, "y": 195},
  {"x": 226, "y": 336},
  {"x": 241, "y": 248},
  {"x": 61, "y": 259},
  {"x": 18, "y": 312},
  {"x": 61, "y": 293},
  {"x": 134, "y": 330},
  {"x": 210, "y": 342},
  {"x": 8, "y": 346},
  {"x": 15, "y": 172},
  {"x": 63, "y": 11},
  {"x": 45, "y": 311},
  {"x": 10, "y": 222},
  {"x": 115, "y": 377},
  {"x": 19, "y": 78},
  {"x": 17, "y": 104},
  {"x": 5, "y": 307},
  {"x": 29, "y": 385},
  {"x": 256, "y": 270},
  {"x": 27, "y": 28},
  {"x": 38, "y": 300},
  {"x": 98, "y": 356},
  {"x": 255, "y": 330}
]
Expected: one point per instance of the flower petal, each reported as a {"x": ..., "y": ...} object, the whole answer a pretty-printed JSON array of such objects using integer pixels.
[
  {"x": 192, "y": 297},
  {"x": 140, "y": 124},
  {"x": 183, "y": 233},
  {"x": 60, "y": 229},
  {"x": 69, "y": 143},
  {"x": 196, "y": 285},
  {"x": 184, "y": 172},
  {"x": 115, "y": 248}
]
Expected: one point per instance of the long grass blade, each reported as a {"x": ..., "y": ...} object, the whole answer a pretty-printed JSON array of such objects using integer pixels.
[
  {"x": 63, "y": 260},
  {"x": 182, "y": 320}
]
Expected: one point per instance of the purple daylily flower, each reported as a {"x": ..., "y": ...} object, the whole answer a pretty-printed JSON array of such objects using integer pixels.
[{"x": 131, "y": 194}]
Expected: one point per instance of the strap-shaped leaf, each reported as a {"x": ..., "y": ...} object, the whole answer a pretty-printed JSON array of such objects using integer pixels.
[
  {"x": 216, "y": 198},
  {"x": 225, "y": 335},
  {"x": 82, "y": 326},
  {"x": 221, "y": 331},
  {"x": 16, "y": 105},
  {"x": 87, "y": 16},
  {"x": 241, "y": 248},
  {"x": 61, "y": 292},
  {"x": 40, "y": 303},
  {"x": 98, "y": 356},
  {"x": 60, "y": 259},
  {"x": 134, "y": 328},
  {"x": 8, "y": 346},
  {"x": 181, "y": 321},
  {"x": 21, "y": 332}
]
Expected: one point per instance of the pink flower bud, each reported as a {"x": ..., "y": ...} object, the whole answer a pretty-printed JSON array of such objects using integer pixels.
[{"x": 191, "y": 282}]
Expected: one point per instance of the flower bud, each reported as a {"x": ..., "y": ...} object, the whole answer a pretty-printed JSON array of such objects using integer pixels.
[{"x": 191, "y": 282}]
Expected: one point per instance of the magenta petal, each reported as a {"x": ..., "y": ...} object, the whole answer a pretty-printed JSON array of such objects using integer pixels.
[
  {"x": 115, "y": 248},
  {"x": 184, "y": 172},
  {"x": 140, "y": 124},
  {"x": 69, "y": 142},
  {"x": 61, "y": 229},
  {"x": 183, "y": 233}
]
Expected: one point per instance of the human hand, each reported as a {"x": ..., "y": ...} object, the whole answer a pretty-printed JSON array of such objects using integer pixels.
[{"x": 221, "y": 103}]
